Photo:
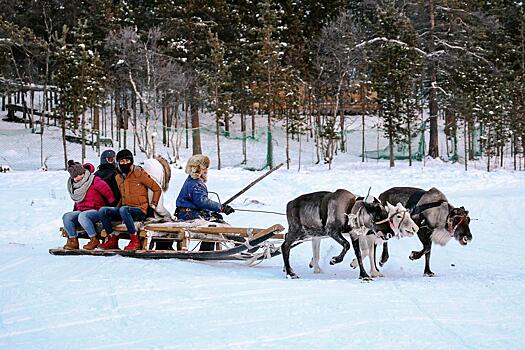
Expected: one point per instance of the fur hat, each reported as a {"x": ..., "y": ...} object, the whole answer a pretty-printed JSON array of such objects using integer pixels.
[
  {"x": 196, "y": 164},
  {"x": 75, "y": 169},
  {"x": 125, "y": 154}
]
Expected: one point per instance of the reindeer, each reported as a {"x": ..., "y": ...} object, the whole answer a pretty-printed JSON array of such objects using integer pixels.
[
  {"x": 438, "y": 220},
  {"x": 321, "y": 214},
  {"x": 398, "y": 224}
]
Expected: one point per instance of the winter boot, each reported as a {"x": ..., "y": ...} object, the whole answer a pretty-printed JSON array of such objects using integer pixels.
[
  {"x": 93, "y": 243},
  {"x": 72, "y": 243},
  {"x": 134, "y": 244},
  {"x": 110, "y": 243}
]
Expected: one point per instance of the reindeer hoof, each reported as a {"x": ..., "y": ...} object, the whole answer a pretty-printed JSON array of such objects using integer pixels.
[
  {"x": 353, "y": 264},
  {"x": 377, "y": 274},
  {"x": 292, "y": 276},
  {"x": 334, "y": 261},
  {"x": 317, "y": 270},
  {"x": 365, "y": 278},
  {"x": 429, "y": 274},
  {"x": 381, "y": 263},
  {"x": 413, "y": 255}
]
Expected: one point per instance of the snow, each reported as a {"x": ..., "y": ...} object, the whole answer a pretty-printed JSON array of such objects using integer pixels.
[{"x": 475, "y": 301}]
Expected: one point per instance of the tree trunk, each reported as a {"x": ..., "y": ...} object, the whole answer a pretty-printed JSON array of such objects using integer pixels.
[
  {"x": 195, "y": 124},
  {"x": 243, "y": 130},
  {"x": 253, "y": 122},
  {"x": 218, "y": 133},
  {"x": 363, "y": 138},
  {"x": 96, "y": 121},
  {"x": 465, "y": 143},
  {"x": 83, "y": 135},
  {"x": 391, "y": 147},
  {"x": 64, "y": 145},
  {"x": 433, "y": 148},
  {"x": 287, "y": 142},
  {"x": 269, "y": 148}
]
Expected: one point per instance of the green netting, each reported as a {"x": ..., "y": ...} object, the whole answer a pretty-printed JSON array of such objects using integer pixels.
[
  {"x": 258, "y": 135},
  {"x": 401, "y": 150}
]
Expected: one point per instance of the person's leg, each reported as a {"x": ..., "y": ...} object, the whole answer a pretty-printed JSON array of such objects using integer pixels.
[
  {"x": 70, "y": 220},
  {"x": 106, "y": 214},
  {"x": 87, "y": 220},
  {"x": 129, "y": 215}
]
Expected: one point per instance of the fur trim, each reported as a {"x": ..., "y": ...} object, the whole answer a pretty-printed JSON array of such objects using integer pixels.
[
  {"x": 196, "y": 164},
  {"x": 167, "y": 172}
]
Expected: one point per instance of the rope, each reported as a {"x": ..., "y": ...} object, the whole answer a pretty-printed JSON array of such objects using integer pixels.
[
  {"x": 259, "y": 211},
  {"x": 268, "y": 248}
]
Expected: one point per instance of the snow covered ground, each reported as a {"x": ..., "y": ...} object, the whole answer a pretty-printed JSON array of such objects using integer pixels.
[
  {"x": 51, "y": 302},
  {"x": 474, "y": 302}
]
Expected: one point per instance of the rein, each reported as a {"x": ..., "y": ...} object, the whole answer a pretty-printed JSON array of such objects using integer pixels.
[
  {"x": 260, "y": 211},
  {"x": 389, "y": 220},
  {"x": 450, "y": 221}
]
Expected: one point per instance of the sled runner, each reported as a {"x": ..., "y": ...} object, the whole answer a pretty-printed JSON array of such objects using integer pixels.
[{"x": 231, "y": 243}]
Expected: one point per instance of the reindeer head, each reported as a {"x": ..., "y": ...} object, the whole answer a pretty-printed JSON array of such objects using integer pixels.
[
  {"x": 400, "y": 221},
  {"x": 458, "y": 225}
]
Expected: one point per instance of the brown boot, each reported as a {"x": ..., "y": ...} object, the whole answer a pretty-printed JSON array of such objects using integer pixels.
[
  {"x": 93, "y": 243},
  {"x": 72, "y": 243}
]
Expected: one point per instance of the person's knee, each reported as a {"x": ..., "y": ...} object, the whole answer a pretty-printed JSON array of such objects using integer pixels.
[
  {"x": 123, "y": 210},
  {"x": 67, "y": 216}
]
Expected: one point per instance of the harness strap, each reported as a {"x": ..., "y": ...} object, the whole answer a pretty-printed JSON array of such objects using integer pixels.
[
  {"x": 414, "y": 199},
  {"x": 421, "y": 208}
]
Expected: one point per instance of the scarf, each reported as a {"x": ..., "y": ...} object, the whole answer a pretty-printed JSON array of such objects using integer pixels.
[{"x": 78, "y": 190}]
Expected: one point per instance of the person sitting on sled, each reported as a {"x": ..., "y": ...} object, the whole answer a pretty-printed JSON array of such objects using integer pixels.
[
  {"x": 133, "y": 183},
  {"x": 90, "y": 193},
  {"x": 107, "y": 171},
  {"x": 193, "y": 202}
]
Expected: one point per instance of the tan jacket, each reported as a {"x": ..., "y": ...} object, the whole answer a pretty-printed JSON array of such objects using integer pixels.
[{"x": 134, "y": 189}]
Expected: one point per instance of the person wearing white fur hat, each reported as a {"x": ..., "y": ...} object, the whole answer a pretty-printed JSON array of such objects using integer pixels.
[{"x": 193, "y": 202}]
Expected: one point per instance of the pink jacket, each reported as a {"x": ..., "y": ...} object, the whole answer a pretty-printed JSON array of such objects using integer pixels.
[{"x": 98, "y": 195}]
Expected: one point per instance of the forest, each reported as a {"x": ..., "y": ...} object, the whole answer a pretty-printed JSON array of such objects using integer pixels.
[{"x": 103, "y": 69}]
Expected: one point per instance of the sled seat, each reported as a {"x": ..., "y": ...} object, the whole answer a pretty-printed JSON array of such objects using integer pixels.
[{"x": 183, "y": 232}]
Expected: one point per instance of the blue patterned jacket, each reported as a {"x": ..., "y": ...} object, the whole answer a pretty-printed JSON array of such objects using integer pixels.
[{"x": 194, "y": 195}]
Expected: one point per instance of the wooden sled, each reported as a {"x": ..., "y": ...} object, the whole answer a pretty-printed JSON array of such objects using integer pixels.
[{"x": 231, "y": 243}]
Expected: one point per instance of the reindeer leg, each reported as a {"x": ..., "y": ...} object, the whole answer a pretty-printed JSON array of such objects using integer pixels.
[
  {"x": 374, "y": 272},
  {"x": 357, "y": 249},
  {"x": 338, "y": 237},
  {"x": 285, "y": 250},
  {"x": 316, "y": 247},
  {"x": 384, "y": 255},
  {"x": 424, "y": 237},
  {"x": 428, "y": 272}
]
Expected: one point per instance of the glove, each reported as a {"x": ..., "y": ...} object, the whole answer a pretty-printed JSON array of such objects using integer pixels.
[{"x": 227, "y": 210}]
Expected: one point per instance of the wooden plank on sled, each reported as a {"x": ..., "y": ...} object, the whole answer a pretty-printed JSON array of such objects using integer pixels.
[{"x": 240, "y": 231}]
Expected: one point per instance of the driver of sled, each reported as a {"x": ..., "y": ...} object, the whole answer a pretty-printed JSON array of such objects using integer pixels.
[
  {"x": 193, "y": 202},
  {"x": 133, "y": 183}
]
